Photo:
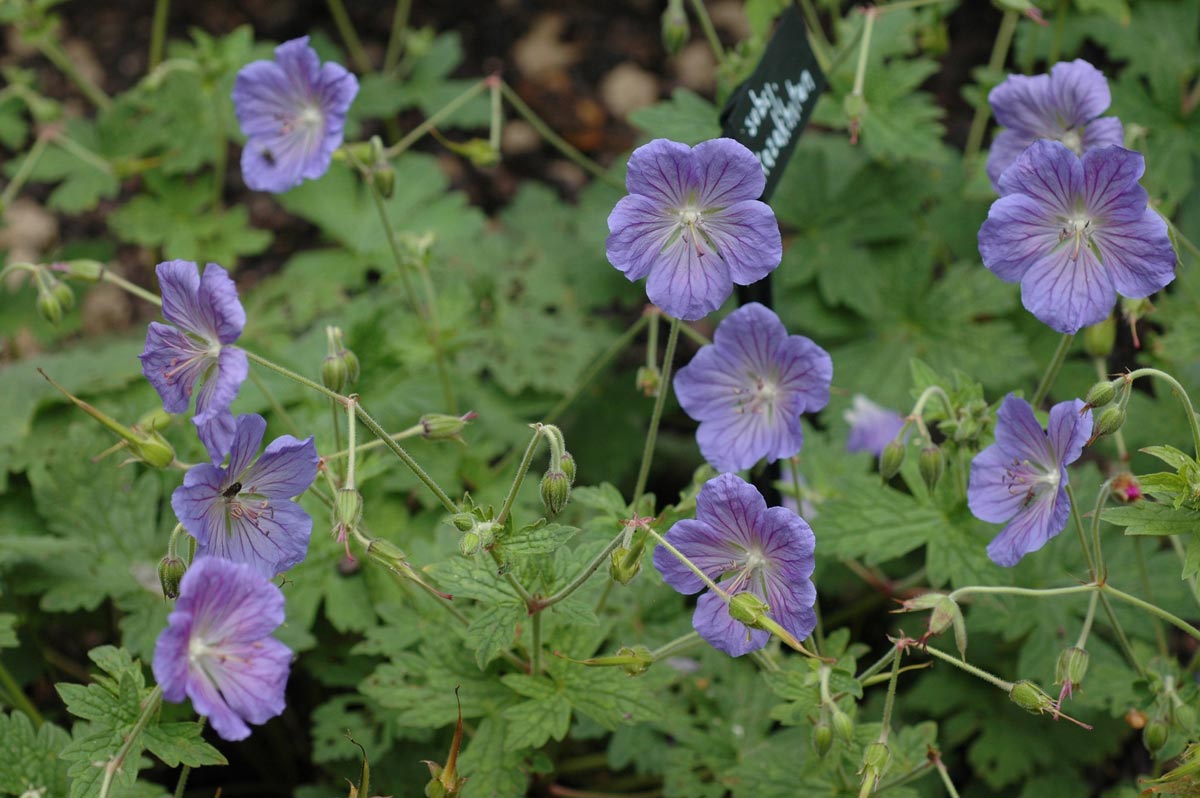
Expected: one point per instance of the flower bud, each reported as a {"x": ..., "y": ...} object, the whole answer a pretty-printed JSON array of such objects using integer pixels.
[
  {"x": 89, "y": 271},
  {"x": 63, "y": 293},
  {"x": 152, "y": 449},
  {"x": 463, "y": 522},
  {"x": 877, "y": 756},
  {"x": 748, "y": 609},
  {"x": 675, "y": 29},
  {"x": 1031, "y": 698},
  {"x": 619, "y": 570},
  {"x": 932, "y": 465},
  {"x": 842, "y": 725},
  {"x": 49, "y": 307},
  {"x": 170, "y": 573},
  {"x": 442, "y": 427},
  {"x": 386, "y": 553},
  {"x": 1126, "y": 488},
  {"x": 1111, "y": 419},
  {"x": 157, "y": 419},
  {"x": 649, "y": 378},
  {"x": 1185, "y": 717},
  {"x": 567, "y": 464},
  {"x": 1098, "y": 339},
  {"x": 556, "y": 491},
  {"x": 470, "y": 544},
  {"x": 334, "y": 374},
  {"x": 384, "y": 178},
  {"x": 1154, "y": 736},
  {"x": 1101, "y": 394},
  {"x": 822, "y": 738},
  {"x": 1071, "y": 667},
  {"x": 639, "y": 659},
  {"x": 891, "y": 459}
]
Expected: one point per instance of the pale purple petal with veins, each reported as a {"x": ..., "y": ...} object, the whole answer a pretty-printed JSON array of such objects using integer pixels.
[
  {"x": 217, "y": 649},
  {"x": 1061, "y": 106},
  {"x": 743, "y": 546},
  {"x": 243, "y": 511},
  {"x": 693, "y": 224},
  {"x": 872, "y": 427},
  {"x": 293, "y": 112},
  {"x": 749, "y": 388},
  {"x": 1075, "y": 232},
  {"x": 1021, "y": 479}
]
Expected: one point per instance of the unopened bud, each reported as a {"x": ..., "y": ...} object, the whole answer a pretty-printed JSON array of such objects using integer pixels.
[
  {"x": 152, "y": 449},
  {"x": 822, "y": 738},
  {"x": 386, "y": 553},
  {"x": 1072, "y": 666},
  {"x": 49, "y": 308},
  {"x": 877, "y": 756},
  {"x": 842, "y": 725},
  {"x": 442, "y": 427},
  {"x": 1126, "y": 488},
  {"x": 1031, "y": 698},
  {"x": 556, "y": 491},
  {"x": 932, "y": 465},
  {"x": 749, "y": 609},
  {"x": 89, "y": 271},
  {"x": 470, "y": 544},
  {"x": 1101, "y": 394},
  {"x": 157, "y": 419},
  {"x": 1154, "y": 736},
  {"x": 675, "y": 29},
  {"x": 649, "y": 378},
  {"x": 891, "y": 459},
  {"x": 170, "y": 573},
  {"x": 567, "y": 464},
  {"x": 639, "y": 659},
  {"x": 347, "y": 510},
  {"x": 619, "y": 570},
  {"x": 1185, "y": 717},
  {"x": 1110, "y": 420},
  {"x": 334, "y": 374},
  {"x": 384, "y": 178},
  {"x": 463, "y": 522},
  {"x": 1098, "y": 339}
]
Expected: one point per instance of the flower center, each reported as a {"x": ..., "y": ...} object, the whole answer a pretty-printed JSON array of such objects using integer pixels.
[
  {"x": 311, "y": 117},
  {"x": 691, "y": 229},
  {"x": 1076, "y": 229},
  {"x": 759, "y": 399},
  {"x": 1073, "y": 140},
  {"x": 243, "y": 504},
  {"x": 1022, "y": 477}
]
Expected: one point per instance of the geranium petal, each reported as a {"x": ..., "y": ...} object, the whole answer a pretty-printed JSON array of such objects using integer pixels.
[
  {"x": 990, "y": 495},
  {"x": 246, "y": 443},
  {"x": 1006, "y": 148},
  {"x": 1106, "y": 131},
  {"x": 1069, "y": 429},
  {"x": 287, "y": 468},
  {"x": 273, "y": 540},
  {"x": 705, "y": 547},
  {"x": 1068, "y": 290},
  {"x": 732, "y": 508},
  {"x": 221, "y": 385},
  {"x": 1020, "y": 436},
  {"x": 252, "y": 677},
  {"x": 747, "y": 238},
  {"x": 1017, "y": 235},
  {"x": 208, "y": 703},
  {"x": 1032, "y": 527},
  {"x": 172, "y": 362},
  {"x": 1110, "y": 185},
  {"x": 726, "y": 173},
  {"x": 689, "y": 281},
  {"x": 1078, "y": 93},
  {"x": 664, "y": 171},
  {"x": 640, "y": 229},
  {"x": 1137, "y": 255},
  {"x": 1022, "y": 102},
  {"x": 1048, "y": 172},
  {"x": 218, "y": 304}
]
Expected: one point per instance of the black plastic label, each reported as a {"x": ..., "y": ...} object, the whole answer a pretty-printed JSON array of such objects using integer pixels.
[{"x": 768, "y": 112}]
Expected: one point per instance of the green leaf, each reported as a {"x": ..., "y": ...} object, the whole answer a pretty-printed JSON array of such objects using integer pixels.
[
  {"x": 181, "y": 744},
  {"x": 30, "y": 761},
  {"x": 8, "y": 630},
  {"x": 491, "y": 769},
  {"x": 82, "y": 180},
  {"x": 604, "y": 497},
  {"x": 538, "y": 539},
  {"x": 531, "y": 723},
  {"x": 1169, "y": 455},
  {"x": 491, "y": 632},
  {"x": 1153, "y": 518},
  {"x": 686, "y": 117},
  {"x": 878, "y": 524}
]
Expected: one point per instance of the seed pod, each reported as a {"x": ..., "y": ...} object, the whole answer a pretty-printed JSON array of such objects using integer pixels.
[
  {"x": 1072, "y": 666},
  {"x": 822, "y": 738},
  {"x": 1110, "y": 420},
  {"x": 1154, "y": 736},
  {"x": 932, "y": 465},
  {"x": 891, "y": 459},
  {"x": 1101, "y": 394},
  {"x": 842, "y": 725}
]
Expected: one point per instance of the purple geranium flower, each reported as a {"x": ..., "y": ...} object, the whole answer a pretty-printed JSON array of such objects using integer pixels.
[
  {"x": 292, "y": 110},
  {"x": 748, "y": 388},
  {"x": 217, "y": 649},
  {"x": 1062, "y": 106},
  {"x": 1075, "y": 233},
  {"x": 209, "y": 317},
  {"x": 243, "y": 511},
  {"x": 743, "y": 545},
  {"x": 872, "y": 427},
  {"x": 692, "y": 222},
  {"x": 1022, "y": 477}
]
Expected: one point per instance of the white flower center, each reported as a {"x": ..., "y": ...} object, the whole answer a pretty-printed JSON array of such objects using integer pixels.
[
  {"x": 1023, "y": 477},
  {"x": 759, "y": 399},
  {"x": 311, "y": 117},
  {"x": 197, "y": 649},
  {"x": 1077, "y": 230},
  {"x": 754, "y": 559},
  {"x": 1073, "y": 140}
]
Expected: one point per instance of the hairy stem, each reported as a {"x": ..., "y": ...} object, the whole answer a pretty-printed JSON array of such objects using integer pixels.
[
  {"x": 1056, "y": 362},
  {"x": 659, "y": 402}
]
